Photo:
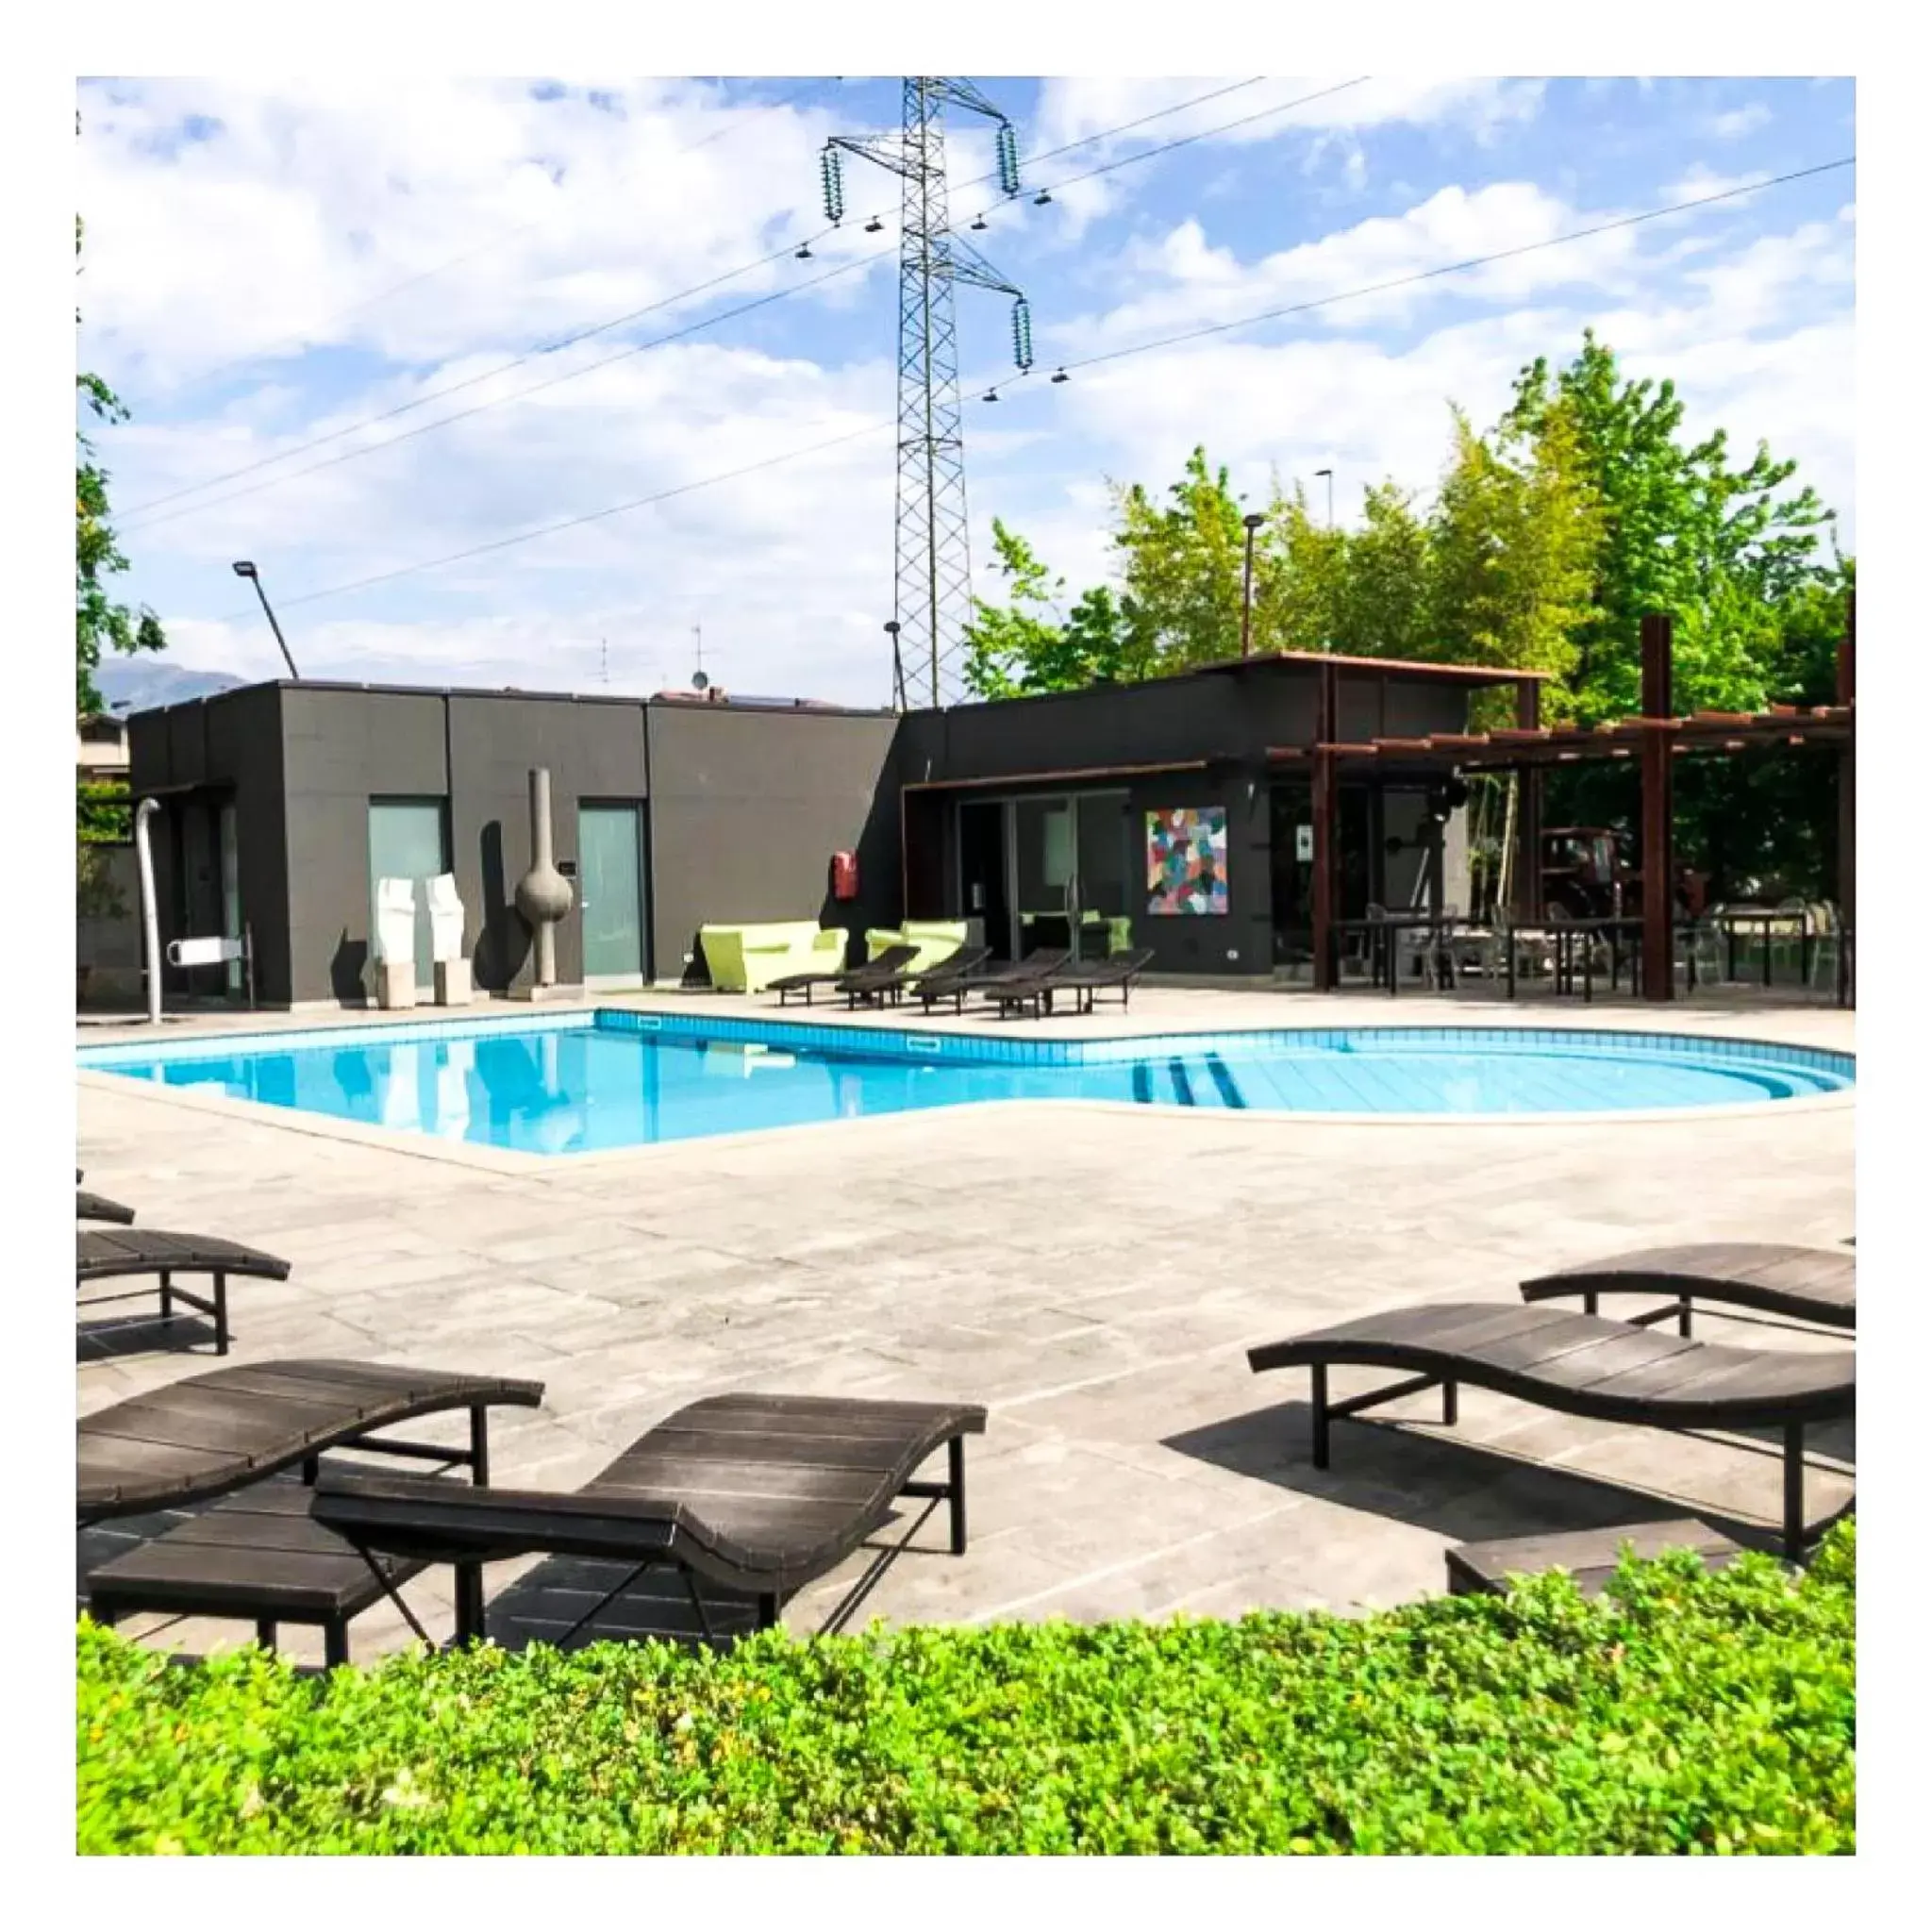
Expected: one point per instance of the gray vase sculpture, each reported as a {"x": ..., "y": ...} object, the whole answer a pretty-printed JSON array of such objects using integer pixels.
[{"x": 544, "y": 894}]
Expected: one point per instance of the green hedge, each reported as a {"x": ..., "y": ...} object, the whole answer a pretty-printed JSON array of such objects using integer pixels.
[{"x": 1682, "y": 1713}]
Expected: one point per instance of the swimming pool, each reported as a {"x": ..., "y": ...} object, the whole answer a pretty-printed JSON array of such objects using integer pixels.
[{"x": 581, "y": 1083}]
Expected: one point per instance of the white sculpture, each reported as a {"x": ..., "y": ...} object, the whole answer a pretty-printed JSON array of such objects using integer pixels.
[
  {"x": 394, "y": 944},
  {"x": 452, "y": 971}
]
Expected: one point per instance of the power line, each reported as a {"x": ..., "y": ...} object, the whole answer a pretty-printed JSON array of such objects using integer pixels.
[
  {"x": 131, "y": 517},
  {"x": 590, "y": 516},
  {"x": 550, "y": 382},
  {"x": 1455, "y": 267},
  {"x": 1109, "y": 355}
]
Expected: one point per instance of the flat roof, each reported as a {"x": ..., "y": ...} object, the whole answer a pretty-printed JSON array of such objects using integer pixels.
[
  {"x": 678, "y": 700},
  {"x": 1416, "y": 669}
]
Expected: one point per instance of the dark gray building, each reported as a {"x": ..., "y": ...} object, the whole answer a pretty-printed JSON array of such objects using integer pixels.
[{"x": 1181, "y": 814}]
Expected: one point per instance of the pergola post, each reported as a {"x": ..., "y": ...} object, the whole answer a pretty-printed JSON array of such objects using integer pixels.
[
  {"x": 1848, "y": 773},
  {"x": 1322, "y": 801},
  {"x": 1529, "y": 811},
  {"x": 1659, "y": 870}
]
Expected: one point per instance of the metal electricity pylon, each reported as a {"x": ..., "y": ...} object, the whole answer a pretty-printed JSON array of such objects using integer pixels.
[{"x": 932, "y": 568}]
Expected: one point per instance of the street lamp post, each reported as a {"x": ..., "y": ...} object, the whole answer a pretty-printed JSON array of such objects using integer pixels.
[
  {"x": 253, "y": 576},
  {"x": 1251, "y": 522},
  {"x": 1330, "y": 474},
  {"x": 898, "y": 665}
]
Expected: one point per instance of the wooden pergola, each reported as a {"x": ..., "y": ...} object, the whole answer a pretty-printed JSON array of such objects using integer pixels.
[{"x": 1654, "y": 740}]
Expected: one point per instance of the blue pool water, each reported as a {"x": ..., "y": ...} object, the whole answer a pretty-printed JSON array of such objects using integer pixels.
[{"x": 577, "y": 1083}]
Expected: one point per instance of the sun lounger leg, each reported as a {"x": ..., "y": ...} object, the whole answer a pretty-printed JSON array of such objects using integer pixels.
[
  {"x": 221, "y": 1313},
  {"x": 1589, "y": 1301},
  {"x": 1318, "y": 1398},
  {"x": 167, "y": 1296},
  {"x": 956, "y": 1490},
  {"x": 335, "y": 1643},
  {"x": 469, "y": 1595},
  {"x": 1795, "y": 1492},
  {"x": 1684, "y": 1316},
  {"x": 479, "y": 1445},
  {"x": 1449, "y": 1403},
  {"x": 768, "y": 1609},
  {"x": 265, "y": 1632}
]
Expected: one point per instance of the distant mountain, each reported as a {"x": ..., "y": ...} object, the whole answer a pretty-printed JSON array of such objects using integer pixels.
[{"x": 141, "y": 684}]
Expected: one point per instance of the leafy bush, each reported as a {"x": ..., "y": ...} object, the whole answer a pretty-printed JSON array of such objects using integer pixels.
[
  {"x": 1678, "y": 1713},
  {"x": 104, "y": 811}
]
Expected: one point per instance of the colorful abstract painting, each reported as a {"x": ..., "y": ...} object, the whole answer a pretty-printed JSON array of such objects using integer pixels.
[{"x": 1186, "y": 859}]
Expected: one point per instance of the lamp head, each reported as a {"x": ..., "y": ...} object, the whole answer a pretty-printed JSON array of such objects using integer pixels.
[
  {"x": 1253, "y": 521},
  {"x": 245, "y": 570}
]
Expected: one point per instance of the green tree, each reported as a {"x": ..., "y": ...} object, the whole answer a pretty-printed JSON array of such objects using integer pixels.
[
  {"x": 1513, "y": 540},
  {"x": 99, "y": 622},
  {"x": 1181, "y": 569},
  {"x": 1032, "y": 644},
  {"x": 1299, "y": 572},
  {"x": 1386, "y": 593},
  {"x": 1682, "y": 532}
]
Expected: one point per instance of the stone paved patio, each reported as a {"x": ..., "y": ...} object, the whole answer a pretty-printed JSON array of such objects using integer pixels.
[{"x": 1093, "y": 1276}]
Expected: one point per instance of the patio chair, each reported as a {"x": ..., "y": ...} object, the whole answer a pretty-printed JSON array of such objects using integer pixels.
[
  {"x": 232, "y": 1435},
  {"x": 102, "y": 1255},
  {"x": 759, "y": 1494},
  {"x": 1581, "y": 1365},
  {"x": 1806, "y": 1284},
  {"x": 803, "y": 985}
]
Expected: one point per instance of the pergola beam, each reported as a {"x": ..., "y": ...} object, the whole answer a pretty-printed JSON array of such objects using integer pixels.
[{"x": 1659, "y": 871}]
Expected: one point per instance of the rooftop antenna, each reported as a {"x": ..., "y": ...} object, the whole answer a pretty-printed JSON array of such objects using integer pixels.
[
  {"x": 698, "y": 680},
  {"x": 604, "y": 660}
]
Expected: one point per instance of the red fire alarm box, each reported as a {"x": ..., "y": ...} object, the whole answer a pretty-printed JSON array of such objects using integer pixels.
[{"x": 844, "y": 874}]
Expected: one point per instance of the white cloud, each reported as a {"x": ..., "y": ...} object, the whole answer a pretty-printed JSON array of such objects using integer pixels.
[
  {"x": 299, "y": 204},
  {"x": 1188, "y": 282},
  {"x": 1739, "y": 121},
  {"x": 1702, "y": 181},
  {"x": 309, "y": 200}
]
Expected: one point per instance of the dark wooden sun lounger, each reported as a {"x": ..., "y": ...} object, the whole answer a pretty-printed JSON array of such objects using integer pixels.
[
  {"x": 1581, "y": 1365},
  {"x": 1807, "y": 1284},
  {"x": 101, "y": 1256},
  {"x": 760, "y": 1494},
  {"x": 258, "y": 1554},
  {"x": 1084, "y": 978},
  {"x": 89, "y": 1207},
  {"x": 996, "y": 980},
  {"x": 213, "y": 1433},
  {"x": 804, "y": 985},
  {"x": 952, "y": 979}
]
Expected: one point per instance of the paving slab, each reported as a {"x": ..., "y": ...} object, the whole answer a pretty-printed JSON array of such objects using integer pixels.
[{"x": 1094, "y": 1276}]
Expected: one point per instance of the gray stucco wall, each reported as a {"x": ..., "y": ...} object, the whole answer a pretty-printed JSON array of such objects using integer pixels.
[
  {"x": 193, "y": 755},
  {"x": 747, "y": 808},
  {"x": 341, "y": 748},
  {"x": 594, "y": 750}
]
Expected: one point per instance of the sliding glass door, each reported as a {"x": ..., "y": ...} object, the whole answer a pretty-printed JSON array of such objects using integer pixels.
[{"x": 1073, "y": 873}]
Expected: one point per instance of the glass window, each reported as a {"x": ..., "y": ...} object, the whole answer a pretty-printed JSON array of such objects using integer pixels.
[{"x": 408, "y": 839}]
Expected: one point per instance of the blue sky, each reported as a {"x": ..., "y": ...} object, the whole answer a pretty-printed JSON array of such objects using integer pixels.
[{"x": 271, "y": 264}]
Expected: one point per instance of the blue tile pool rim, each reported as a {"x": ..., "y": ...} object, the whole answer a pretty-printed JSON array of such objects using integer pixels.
[{"x": 902, "y": 1043}]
